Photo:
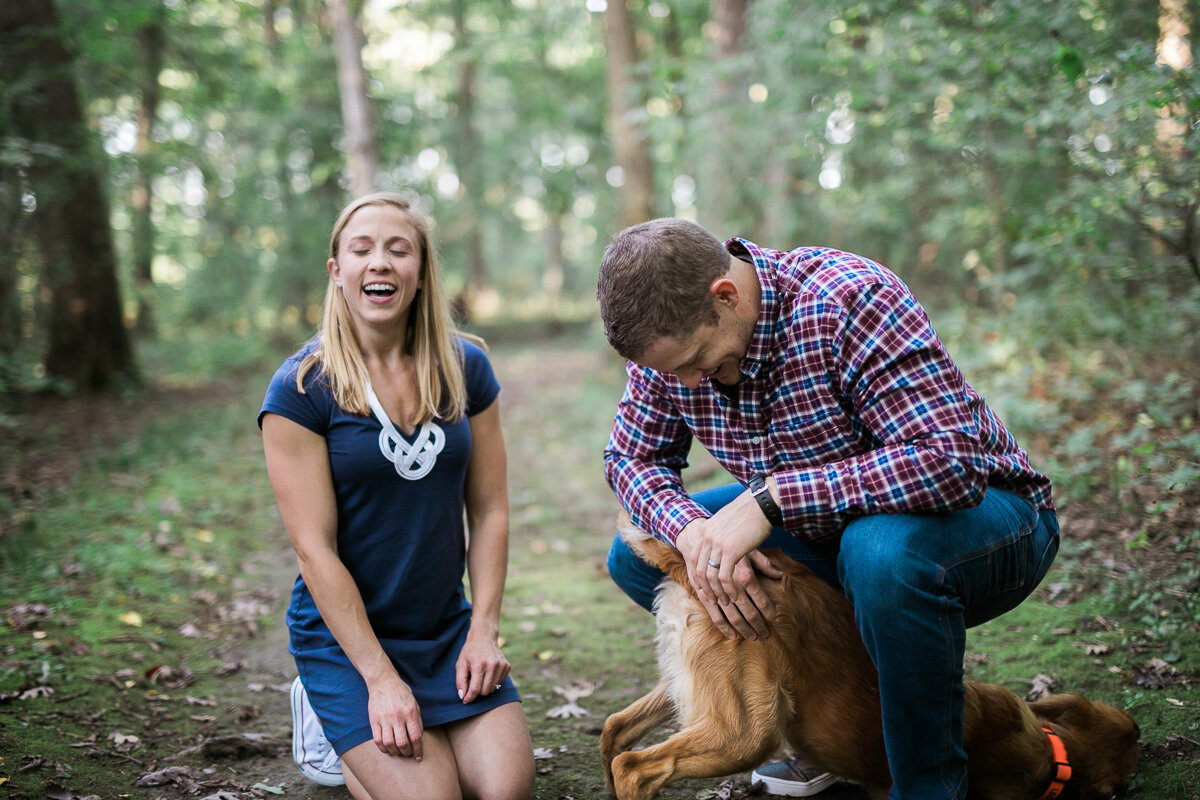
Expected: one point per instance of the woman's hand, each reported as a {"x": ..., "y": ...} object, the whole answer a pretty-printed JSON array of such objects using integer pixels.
[
  {"x": 723, "y": 563},
  {"x": 481, "y": 666},
  {"x": 395, "y": 718}
]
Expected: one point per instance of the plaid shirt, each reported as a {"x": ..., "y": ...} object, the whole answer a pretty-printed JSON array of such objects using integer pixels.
[{"x": 848, "y": 398}]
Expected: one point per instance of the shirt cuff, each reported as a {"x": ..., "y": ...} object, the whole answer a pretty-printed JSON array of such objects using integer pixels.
[{"x": 673, "y": 517}]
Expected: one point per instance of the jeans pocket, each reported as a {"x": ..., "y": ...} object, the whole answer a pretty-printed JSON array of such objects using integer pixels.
[{"x": 1009, "y": 567}]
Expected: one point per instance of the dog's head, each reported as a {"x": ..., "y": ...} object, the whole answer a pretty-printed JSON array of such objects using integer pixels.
[{"x": 1102, "y": 742}]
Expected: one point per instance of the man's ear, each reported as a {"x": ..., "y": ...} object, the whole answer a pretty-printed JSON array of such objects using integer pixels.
[{"x": 724, "y": 291}]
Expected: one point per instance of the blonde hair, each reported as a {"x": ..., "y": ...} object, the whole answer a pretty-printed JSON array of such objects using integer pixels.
[{"x": 431, "y": 336}]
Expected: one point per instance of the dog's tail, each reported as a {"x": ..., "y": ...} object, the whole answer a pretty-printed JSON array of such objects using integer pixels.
[{"x": 655, "y": 552}]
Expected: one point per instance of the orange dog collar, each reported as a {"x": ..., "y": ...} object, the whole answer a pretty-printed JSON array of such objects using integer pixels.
[{"x": 1062, "y": 772}]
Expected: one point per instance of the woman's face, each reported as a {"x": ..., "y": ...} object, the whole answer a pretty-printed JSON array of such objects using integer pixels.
[{"x": 378, "y": 266}]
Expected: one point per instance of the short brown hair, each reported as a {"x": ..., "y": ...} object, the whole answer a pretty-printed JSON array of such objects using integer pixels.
[{"x": 654, "y": 282}]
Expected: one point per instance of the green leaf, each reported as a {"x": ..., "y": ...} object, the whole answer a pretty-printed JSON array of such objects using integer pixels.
[{"x": 1069, "y": 62}]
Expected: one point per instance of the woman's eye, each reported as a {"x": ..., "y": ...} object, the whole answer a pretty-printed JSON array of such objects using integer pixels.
[
  {"x": 360, "y": 251},
  {"x": 399, "y": 253}
]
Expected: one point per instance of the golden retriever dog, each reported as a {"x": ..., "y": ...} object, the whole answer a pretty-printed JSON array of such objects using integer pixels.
[{"x": 812, "y": 685}]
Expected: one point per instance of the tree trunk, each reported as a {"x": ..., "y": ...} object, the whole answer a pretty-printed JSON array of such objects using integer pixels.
[
  {"x": 721, "y": 169},
  {"x": 361, "y": 153},
  {"x": 996, "y": 202},
  {"x": 630, "y": 145},
  {"x": 152, "y": 37},
  {"x": 466, "y": 159},
  {"x": 87, "y": 341},
  {"x": 554, "y": 273}
]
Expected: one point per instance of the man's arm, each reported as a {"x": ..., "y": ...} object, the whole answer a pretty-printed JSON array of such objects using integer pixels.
[
  {"x": 645, "y": 455},
  {"x": 912, "y": 399}
]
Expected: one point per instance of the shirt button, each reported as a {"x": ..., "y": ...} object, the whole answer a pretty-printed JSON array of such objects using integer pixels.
[{"x": 756, "y": 440}]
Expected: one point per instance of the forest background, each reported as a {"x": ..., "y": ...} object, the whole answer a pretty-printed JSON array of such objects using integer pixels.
[{"x": 169, "y": 170}]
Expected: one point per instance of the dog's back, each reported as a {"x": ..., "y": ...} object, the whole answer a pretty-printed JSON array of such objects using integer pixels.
[
  {"x": 811, "y": 681},
  {"x": 812, "y": 684}
]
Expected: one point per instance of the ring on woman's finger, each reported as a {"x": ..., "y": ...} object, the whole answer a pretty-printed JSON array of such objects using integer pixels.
[
  {"x": 713, "y": 564},
  {"x": 498, "y": 687}
]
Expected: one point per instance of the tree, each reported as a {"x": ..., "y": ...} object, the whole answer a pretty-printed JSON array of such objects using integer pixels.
[
  {"x": 723, "y": 165},
  {"x": 88, "y": 344},
  {"x": 361, "y": 150},
  {"x": 151, "y": 36},
  {"x": 631, "y": 147},
  {"x": 467, "y": 157}
]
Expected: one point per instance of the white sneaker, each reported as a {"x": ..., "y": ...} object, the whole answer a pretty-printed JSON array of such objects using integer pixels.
[
  {"x": 791, "y": 778},
  {"x": 312, "y": 752}
]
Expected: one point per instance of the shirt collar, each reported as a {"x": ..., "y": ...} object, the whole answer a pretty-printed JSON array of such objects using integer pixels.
[{"x": 759, "y": 352}]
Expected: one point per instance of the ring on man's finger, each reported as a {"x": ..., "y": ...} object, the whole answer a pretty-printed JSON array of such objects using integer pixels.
[{"x": 713, "y": 564}]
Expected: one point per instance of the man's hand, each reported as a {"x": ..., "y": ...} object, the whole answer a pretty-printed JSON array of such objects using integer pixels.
[{"x": 723, "y": 565}]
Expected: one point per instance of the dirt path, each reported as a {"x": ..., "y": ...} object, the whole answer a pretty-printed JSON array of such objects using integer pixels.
[{"x": 568, "y": 626}]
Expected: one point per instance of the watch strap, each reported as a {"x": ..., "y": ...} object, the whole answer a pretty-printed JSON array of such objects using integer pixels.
[{"x": 762, "y": 495}]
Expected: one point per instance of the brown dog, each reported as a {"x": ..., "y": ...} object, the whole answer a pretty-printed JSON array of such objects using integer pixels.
[{"x": 812, "y": 684}]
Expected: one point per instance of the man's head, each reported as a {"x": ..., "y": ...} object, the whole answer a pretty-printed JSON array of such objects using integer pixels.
[
  {"x": 671, "y": 301},
  {"x": 655, "y": 280}
]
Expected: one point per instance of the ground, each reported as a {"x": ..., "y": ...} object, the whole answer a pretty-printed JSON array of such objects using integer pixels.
[{"x": 169, "y": 711}]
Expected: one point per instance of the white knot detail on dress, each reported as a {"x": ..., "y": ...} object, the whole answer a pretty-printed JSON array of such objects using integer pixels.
[{"x": 414, "y": 461}]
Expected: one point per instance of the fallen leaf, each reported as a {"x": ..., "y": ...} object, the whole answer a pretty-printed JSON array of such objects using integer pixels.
[
  {"x": 27, "y": 615},
  {"x": 1040, "y": 686},
  {"x": 576, "y": 690},
  {"x": 542, "y": 753},
  {"x": 35, "y": 692},
  {"x": 183, "y": 776},
  {"x": 1093, "y": 648},
  {"x": 131, "y": 618},
  {"x": 265, "y": 788},
  {"x": 567, "y": 710}
]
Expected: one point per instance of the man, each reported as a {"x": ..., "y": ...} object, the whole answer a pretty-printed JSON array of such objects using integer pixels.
[{"x": 815, "y": 378}]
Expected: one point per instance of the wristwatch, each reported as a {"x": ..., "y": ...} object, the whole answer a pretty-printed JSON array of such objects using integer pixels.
[{"x": 762, "y": 494}]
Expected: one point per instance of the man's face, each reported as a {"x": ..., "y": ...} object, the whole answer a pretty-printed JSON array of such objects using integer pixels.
[{"x": 712, "y": 352}]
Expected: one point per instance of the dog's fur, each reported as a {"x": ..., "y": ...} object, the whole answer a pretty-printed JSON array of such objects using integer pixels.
[{"x": 812, "y": 685}]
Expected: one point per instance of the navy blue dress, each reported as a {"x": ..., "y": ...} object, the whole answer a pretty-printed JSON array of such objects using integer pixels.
[{"x": 401, "y": 535}]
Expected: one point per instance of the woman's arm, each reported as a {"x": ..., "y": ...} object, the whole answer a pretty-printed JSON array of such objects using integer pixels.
[
  {"x": 482, "y": 666},
  {"x": 298, "y": 465}
]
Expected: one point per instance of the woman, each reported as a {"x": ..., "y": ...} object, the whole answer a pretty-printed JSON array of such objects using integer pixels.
[{"x": 378, "y": 434}]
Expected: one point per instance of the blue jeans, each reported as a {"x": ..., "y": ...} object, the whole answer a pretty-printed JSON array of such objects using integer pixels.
[{"x": 917, "y": 582}]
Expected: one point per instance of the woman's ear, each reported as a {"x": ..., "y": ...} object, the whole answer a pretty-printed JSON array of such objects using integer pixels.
[{"x": 334, "y": 271}]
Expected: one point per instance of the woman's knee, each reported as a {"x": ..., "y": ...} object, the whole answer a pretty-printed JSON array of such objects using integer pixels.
[
  {"x": 384, "y": 777},
  {"x": 494, "y": 753}
]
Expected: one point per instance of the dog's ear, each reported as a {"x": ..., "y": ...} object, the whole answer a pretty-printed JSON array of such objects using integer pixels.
[{"x": 1063, "y": 708}]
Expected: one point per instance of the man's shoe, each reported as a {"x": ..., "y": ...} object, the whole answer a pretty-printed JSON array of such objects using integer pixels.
[
  {"x": 791, "y": 778},
  {"x": 313, "y": 753}
]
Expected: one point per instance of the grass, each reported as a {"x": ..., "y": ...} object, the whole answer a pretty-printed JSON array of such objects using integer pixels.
[{"x": 173, "y": 522}]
